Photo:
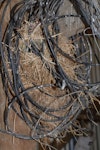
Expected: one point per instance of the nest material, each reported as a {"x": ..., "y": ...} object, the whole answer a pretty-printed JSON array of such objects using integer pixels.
[{"x": 41, "y": 72}]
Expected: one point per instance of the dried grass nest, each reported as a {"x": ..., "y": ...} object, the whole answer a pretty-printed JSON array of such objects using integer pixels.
[{"x": 42, "y": 79}]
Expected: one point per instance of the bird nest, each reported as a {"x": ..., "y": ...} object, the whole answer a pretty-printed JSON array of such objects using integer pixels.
[{"x": 44, "y": 80}]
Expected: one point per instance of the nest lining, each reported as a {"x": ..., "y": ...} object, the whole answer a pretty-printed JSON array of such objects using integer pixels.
[{"x": 33, "y": 72}]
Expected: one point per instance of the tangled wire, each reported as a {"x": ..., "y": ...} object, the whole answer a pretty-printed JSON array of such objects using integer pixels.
[{"x": 73, "y": 95}]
